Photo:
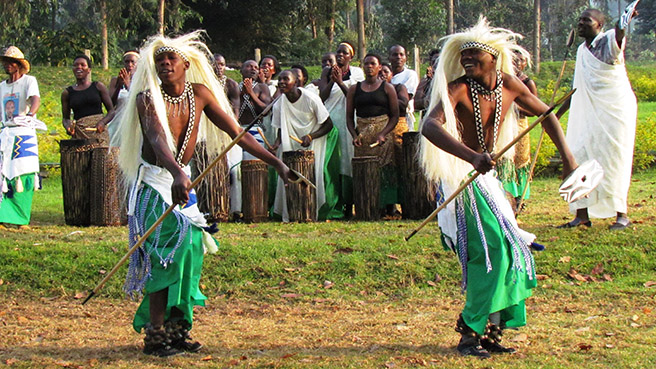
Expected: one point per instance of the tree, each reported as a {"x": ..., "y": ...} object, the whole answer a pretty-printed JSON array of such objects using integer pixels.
[{"x": 413, "y": 22}]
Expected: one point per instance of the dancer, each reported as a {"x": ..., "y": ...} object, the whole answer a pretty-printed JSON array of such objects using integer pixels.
[
  {"x": 161, "y": 124},
  {"x": 469, "y": 116}
]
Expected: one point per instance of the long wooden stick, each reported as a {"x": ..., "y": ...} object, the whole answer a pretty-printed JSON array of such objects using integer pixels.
[
  {"x": 529, "y": 179},
  {"x": 497, "y": 155},
  {"x": 172, "y": 206}
]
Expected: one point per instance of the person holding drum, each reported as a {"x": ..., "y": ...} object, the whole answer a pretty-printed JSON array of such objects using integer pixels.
[
  {"x": 303, "y": 123},
  {"x": 86, "y": 99},
  {"x": 377, "y": 107}
]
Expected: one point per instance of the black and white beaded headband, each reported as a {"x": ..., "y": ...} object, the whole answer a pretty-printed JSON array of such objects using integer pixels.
[
  {"x": 481, "y": 46},
  {"x": 171, "y": 49}
]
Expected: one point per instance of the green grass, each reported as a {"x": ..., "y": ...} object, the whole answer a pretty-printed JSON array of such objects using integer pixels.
[{"x": 265, "y": 260}]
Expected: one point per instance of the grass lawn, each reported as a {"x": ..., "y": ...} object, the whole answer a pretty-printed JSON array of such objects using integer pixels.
[{"x": 334, "y": 294}]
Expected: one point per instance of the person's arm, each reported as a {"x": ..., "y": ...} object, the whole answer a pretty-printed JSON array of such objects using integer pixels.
[
  {"x": 336, "y": 76},
  {"x": 154, "y": 134},
  {"x": 324, "y": 129},
  {"x": 325, "y": 84},
  {"x": 434, "y": 131},
  {"x": 421, "y": 94},
  {"x": 534, "y": 90},
  {"x": 114, "y": 89},
  {"x": 403, "y": 98},
  {"x": 233, "y": 95},
  {"x": 529, "y": 102},
  {"x": 107, "y": 102},
  {"x": 393, "y": 102},
  {"x": 223, "y": 121},
  {"x": 260, "y": 97},
  {"x": 66, "y": 114},
  {"x": 350, "y": 111},
  {"x": 35, "y": 103}
]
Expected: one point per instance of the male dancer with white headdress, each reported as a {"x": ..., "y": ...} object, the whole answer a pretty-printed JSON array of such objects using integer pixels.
[
  {"x": 161, "y": 124},
  {"x": 471, "y": 115}
]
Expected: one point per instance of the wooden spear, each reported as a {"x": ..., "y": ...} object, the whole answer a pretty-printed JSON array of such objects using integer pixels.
[
  {"x": 172, "y": 206},
  {"x": 497, "y": 155}
]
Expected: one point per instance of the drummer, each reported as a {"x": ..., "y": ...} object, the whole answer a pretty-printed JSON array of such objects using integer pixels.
[
  {"x": 86, "y": 99},
  {"x": 300, "y": 115}
]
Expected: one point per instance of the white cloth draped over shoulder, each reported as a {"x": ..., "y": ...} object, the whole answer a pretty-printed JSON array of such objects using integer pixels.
[
  {"x": 602, "y": 124},
  {"x": 410, "y": 80},
  {"x": 299, "y": 119},
  {"x": 336, "y": 105}
]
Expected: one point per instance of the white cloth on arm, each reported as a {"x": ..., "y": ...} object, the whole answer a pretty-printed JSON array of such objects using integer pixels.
[
  {"x": 602, "y": 123},
  {"x": 336, "y": 105},
  {"x": 410, "y": 80},
  {"x": 300, "y": 119}
]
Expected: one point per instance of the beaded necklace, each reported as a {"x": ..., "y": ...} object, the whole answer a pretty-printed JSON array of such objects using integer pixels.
[
  {"x": 489, "y": 95},
  {"x": 177, "y": 105}
]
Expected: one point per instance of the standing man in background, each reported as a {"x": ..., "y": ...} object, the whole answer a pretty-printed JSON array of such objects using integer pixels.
[{"x": 405, "y": 76}]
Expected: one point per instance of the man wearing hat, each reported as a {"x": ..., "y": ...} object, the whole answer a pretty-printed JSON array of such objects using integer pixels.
[{"x": 19, "y": 97}]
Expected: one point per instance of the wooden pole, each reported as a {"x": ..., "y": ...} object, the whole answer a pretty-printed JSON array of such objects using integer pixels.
[
  {"x": 362, "y": 45},
  {"x": 160, "y": 12},
  {"x": 105, "y": 50},
  {"x": 450, "y": 27},
  {"x": 258, "y": 55},
  {"x": 536, "y": 35}
]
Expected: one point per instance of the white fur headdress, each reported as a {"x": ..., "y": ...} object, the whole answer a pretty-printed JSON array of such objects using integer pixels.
[
  {"x": 129, "y": 136},
  {"x": 439, "y": 165}
]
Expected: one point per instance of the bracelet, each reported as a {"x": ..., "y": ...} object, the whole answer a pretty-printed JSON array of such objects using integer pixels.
[
  {"x": 30, "y": 114},
  {"x": 310, "y": 136}
]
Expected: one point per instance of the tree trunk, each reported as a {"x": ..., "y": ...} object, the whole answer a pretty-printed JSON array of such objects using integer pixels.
[
  {"x": 313, "y": 26},
  {"x": 362, "y": 48},
  {"x": 536, "y": 35},
  {"x": 450, "y": 27},
  {"x": 105, "y": 51},
  {"x": 160, "y": 11},
  {"x": 330, "y": 29}
]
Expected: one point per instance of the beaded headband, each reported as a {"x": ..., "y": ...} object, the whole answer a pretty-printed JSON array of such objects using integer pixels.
[
  {"x": 481, "y": 46},
  {"x": 171, "y": 49},
  {"x": 132, "y": 53},
  {"x": 348, "y": 47}
]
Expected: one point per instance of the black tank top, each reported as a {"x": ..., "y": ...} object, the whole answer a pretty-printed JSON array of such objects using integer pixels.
[
  {"x": 86, "y": 102},
  {"x": 371, "y": 104}
]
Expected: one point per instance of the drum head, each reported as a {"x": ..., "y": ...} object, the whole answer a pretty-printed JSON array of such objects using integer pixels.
[{"x": 581, "y": 181}]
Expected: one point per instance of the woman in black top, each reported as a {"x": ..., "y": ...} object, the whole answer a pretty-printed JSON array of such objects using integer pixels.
[
  {"x": 86, "y": 99},
  {"x": 375, "y": 103}
]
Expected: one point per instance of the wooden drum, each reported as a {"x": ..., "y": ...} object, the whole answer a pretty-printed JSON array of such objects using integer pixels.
[
  {"x": 366, "y": 187},
  {"x": 301, "y": 198},
  {"x": 254, "y": 191},
  {"x": 75, "y": 158},
  {"x": 418, "y": 201},
  {"x": 107, "y": 205},
  {"x": 214, "y": 190}
]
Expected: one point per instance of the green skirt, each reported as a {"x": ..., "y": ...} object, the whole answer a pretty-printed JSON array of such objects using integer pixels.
[
  {"x": 182, "y": 275},
  {"x": 16, "y": 207},
  {"x": 503, "y": 288}
]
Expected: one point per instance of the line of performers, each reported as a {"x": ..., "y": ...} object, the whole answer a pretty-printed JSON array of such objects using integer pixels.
[{"x": 175, "y": 101}]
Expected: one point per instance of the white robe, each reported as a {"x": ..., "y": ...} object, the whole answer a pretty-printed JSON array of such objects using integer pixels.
[
  {"x": 299, "y": 119},
  {"x": 602, "y": 125},
  {"x": 410, "y": 80},
  {"x": 336, "y": 105}
]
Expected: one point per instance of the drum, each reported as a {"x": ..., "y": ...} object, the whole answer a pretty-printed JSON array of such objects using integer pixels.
[
  {"x": 301, "y": 198},
  {"x": 213, "y": 191},
  {"x": 418, "y": 201},
  {"x": 106, "y": 197},
  {"x": 254, "y": 191},
  {"x": 366, "y": 187},
  {"x": 75, "y": 158}
]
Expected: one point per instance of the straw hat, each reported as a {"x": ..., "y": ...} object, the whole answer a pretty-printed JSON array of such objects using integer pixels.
[{"x": 12, "y": 53}]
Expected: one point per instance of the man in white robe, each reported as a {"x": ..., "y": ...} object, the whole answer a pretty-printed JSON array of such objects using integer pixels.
[
  {"x": 602, "y": 120},
  {"x": 404, "y": 76},
  {"x": 300, "y": 114}
]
